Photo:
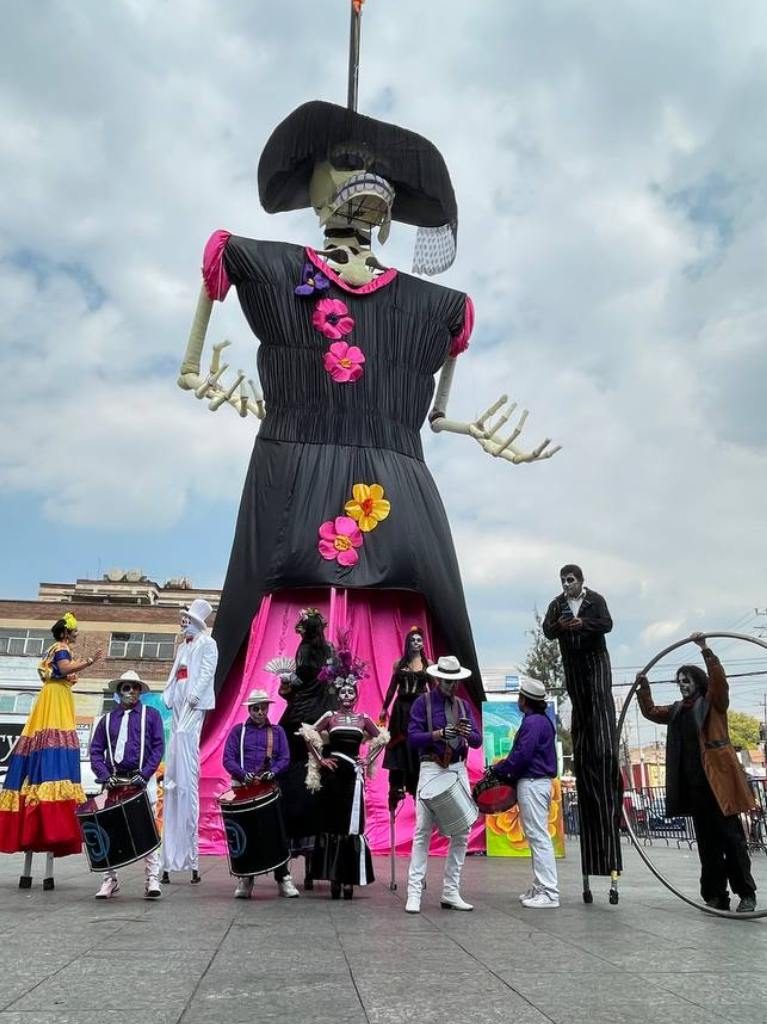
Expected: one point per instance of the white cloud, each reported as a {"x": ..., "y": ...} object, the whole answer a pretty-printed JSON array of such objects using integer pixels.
[{"x": 613, "y": 218}]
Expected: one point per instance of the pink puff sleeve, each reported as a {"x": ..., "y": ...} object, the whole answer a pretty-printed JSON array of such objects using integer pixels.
[
  {"x": 214, "y": 273},
  {"x": 460, "y": 341}
]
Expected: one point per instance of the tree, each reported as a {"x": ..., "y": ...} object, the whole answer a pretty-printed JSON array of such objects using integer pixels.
[
  {"x": 544, "y": 662},
  {"x": 744, "y": 730}
]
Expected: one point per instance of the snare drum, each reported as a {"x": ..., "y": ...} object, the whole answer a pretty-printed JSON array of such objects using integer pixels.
[
  {"x": 118, "y": 828},
  {"x": 447, "y": 799},
  {"x": 256, "y": 838},
  {"x": 493, "y": 795}
]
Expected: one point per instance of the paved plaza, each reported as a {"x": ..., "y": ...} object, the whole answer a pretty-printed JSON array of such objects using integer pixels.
[{"x": 201, "y": 957}]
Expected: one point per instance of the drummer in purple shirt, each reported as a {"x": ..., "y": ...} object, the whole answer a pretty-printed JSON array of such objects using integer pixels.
[
  {"x": 441, "y": 729},
  {"x": 126, "y": 750},
  {"x": 531, "y": 764},
  {"x": 257, "y": 751}
]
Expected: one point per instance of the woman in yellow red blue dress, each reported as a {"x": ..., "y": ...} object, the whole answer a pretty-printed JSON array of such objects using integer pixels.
[{"x": 42, "y": 786}]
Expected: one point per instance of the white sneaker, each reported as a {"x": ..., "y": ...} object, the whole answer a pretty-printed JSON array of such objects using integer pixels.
[
  {"x": 454, "y": 902},
  {"x": 541, "y": 901},
  {"x": 244, "y": 888},
  {"x": 287, "y": 888},
  {"x": 152, "y": 890},
  {"x": 413, "y": 905},
  {"x": 527, "y": 894},
  {"x": 109, "y": 888}
]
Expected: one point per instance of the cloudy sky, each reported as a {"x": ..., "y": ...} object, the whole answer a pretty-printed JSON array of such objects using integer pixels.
[{"x": 609, "y": 163}]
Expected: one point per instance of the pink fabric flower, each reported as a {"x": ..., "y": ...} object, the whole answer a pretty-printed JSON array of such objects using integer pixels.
[
  {"x": 331, "y": 318},
  {"x": 344, "y": 362},
  {"x": 338, "y": 539}
]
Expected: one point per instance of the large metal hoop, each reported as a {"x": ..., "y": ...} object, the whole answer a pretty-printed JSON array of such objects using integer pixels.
[{"x": 632, "y": 835}]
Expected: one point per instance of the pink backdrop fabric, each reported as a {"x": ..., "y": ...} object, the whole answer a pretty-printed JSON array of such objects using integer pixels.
[{"x": 378, "y": 621}]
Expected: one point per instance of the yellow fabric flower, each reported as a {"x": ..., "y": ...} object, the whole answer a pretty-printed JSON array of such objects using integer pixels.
[
  {"x": 368, "y": 506},
  {"x": 70, "y": 621}
]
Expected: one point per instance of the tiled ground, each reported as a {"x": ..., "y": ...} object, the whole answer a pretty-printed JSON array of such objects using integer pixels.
[{"x": 200, "y": 956}]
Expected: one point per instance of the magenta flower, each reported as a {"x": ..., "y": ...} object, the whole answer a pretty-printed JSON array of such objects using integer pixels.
[
  {"x": 344, "y": 362},
  {"x": 338, "y": 539},
  {"x": 331, "y": 318}
]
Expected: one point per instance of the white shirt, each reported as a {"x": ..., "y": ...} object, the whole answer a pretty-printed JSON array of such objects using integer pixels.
[{"x": 576, "y": 602}]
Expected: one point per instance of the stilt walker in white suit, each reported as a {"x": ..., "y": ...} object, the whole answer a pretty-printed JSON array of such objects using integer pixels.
[{"x": 189, "y": 694}]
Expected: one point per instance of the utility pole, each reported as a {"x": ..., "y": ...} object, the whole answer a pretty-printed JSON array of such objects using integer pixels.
[{"x": 763, "y": 727}]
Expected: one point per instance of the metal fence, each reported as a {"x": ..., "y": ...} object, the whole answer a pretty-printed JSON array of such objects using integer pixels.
[{"x": 645, "y": 810}]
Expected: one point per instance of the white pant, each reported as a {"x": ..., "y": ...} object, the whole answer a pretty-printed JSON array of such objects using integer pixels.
[
  {"x": 425, "y": 824},
  {"x": 181, "y": 797},
  {"x": 534, "y": 798},
  {"x": 151, "y": 868}
]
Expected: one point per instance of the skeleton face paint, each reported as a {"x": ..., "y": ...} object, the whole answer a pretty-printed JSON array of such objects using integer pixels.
[
  {"x": 129, "y": 694},
  {"x": 258, "y": 713},
  {"x": 347, "y": 695},
  {"x": 686, "y": 684},
  {"x": 415, "y": 643},
  {"x": 571, "y": 585},
  {"x": 188, "y": 627}
]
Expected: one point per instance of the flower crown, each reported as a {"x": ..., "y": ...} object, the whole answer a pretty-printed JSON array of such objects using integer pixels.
[{"x": 342, "y": 667}]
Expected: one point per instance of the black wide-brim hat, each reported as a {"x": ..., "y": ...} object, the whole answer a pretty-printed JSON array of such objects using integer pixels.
[{"x": 424, "y": 194}]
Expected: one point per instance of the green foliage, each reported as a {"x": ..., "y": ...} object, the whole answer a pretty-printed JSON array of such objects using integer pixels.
[
  {"x": 544, "y": 661},
  {"x": 744, "y": 729}
]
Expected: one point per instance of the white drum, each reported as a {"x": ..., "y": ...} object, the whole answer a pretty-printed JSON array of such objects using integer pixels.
[{"x": 450, "y": 803}]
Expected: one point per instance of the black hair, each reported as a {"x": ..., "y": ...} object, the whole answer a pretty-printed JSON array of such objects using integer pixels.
[
  {"x": 59, "y": 630},
  {"x": 404, "y": 661},
  {"x": 313, "y": 650},
  {"x": 574, "y": 569},
  {"x": 698, "y": 676}
]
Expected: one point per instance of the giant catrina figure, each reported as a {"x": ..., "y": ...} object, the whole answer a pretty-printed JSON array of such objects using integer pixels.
[{"x": 338, "y": 498}]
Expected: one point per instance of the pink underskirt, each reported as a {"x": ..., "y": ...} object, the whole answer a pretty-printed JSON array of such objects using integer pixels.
[{"x": 378, "y": 621}]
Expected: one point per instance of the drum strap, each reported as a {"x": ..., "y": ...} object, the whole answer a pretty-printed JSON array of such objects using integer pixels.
[
  {"x": 142, "y": 746},
  {"x": 269, "y": 746}
]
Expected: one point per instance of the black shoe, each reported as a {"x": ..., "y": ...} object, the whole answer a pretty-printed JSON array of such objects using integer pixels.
[
  {"x": 719, "y": 903},
  {"x": 195, "y": 879},
  {"x": 335, "y": 890},
  {"x": 48, "y": 885},
  {"x": 348, "y": 892},
  {"x": 747, "y": 905},
  {"x": 25, "y": 882},
  {"x": 165, "y": 880}
]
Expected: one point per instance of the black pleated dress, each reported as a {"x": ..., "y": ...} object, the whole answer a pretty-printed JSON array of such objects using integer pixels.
[{"x": 322, "y": 436}]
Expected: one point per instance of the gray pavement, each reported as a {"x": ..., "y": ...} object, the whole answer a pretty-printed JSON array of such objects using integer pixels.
[{"x": 198, "y": 956}]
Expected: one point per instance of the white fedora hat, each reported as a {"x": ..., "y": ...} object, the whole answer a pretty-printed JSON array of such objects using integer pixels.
[
  {"x": 448, "y": 667},
  {"x": 199, "y": 610},
  {"x": 128, "y": 677},
  {"x": 533, "y": 689},
  {"x": 257, "y": 697}
]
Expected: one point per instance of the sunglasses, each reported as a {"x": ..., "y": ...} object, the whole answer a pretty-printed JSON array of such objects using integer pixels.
[
  {"x": 130, "y": 687},
  {"x": 569, "y": 579},
  {"x": 258, "y": 707}
]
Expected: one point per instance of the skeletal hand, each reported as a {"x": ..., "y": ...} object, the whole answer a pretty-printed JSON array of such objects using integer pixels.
[
  {"x": 212, "y": 387},
  {"x": 487, "y": 434}
]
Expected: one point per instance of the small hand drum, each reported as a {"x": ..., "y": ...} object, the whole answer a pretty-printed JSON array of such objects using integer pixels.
[{"x": 493, "y": 795}]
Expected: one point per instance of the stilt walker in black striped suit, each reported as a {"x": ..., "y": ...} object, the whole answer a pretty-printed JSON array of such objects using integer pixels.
[{"x": 579, "y": 619}]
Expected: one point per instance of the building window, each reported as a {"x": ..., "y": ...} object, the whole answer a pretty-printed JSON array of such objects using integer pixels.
[
  {"x": 15, "y": 702},
  {"x": 147, "y": 646},
  {"x": 30, "y": 643}
]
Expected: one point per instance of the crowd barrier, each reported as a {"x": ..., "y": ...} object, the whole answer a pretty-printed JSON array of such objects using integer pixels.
[{"x": 645, "y": 809}]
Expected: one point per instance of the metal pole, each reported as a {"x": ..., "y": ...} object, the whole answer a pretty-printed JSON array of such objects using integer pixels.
[{"x": 354, "y": 54}]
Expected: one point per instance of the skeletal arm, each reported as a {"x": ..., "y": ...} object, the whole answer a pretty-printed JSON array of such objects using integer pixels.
[
  {"x": 485, "y": 432},
  {"x": 244, "y": 396}
]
